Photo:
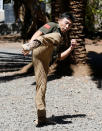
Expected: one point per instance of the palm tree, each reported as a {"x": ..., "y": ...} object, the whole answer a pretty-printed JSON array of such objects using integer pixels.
[{"x": 31, "y": 16}]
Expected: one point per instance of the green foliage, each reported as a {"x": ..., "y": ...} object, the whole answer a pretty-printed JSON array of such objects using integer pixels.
[
  {"x": 99, "y": 11},
  {"x": 47, "y": 1},
  {"x": 93, "y": 8},
  {"x": 6, "y": 1}
]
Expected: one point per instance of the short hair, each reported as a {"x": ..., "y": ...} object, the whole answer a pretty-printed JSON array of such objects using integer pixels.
[{"x": 66, "y": 15}]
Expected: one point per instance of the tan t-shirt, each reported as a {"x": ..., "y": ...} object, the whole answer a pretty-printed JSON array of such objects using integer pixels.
[{"x": 51, "y": 38}]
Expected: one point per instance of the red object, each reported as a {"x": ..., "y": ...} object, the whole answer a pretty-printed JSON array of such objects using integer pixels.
[{"x": 47, "y": 26}]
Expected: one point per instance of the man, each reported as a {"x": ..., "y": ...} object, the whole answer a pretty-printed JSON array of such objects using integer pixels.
[{"x": 42, "y": 43}]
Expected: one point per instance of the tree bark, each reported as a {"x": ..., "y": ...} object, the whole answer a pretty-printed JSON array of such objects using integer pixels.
[{"x": 77, "y": 8}]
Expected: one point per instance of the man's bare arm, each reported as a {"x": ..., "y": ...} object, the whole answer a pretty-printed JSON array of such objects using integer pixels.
[
  {"x": 36, "y": 34},
  {"x": 64, "y": 54}
]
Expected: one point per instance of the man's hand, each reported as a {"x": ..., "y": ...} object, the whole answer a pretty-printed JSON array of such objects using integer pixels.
[
  {"x": 26, "y": 48},
  {"x": 25, "y": 52},
  {"x": 73, "y": 43}
]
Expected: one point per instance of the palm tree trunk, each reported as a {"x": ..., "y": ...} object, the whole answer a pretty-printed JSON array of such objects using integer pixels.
[{"x": 77, "y": 8}]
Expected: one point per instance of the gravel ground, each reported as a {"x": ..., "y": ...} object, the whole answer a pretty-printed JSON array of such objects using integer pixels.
[{"x": 74, "y": 103}]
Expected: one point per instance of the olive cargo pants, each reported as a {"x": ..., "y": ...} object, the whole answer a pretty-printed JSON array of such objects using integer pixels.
[{"x": 41, "y": 58}]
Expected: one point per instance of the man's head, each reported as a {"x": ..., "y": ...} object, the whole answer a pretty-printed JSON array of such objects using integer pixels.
[{"x": 65, "y": 21}]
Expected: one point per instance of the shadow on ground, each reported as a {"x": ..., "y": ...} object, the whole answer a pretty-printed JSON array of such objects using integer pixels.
[
  {"x": 95, "y": 63},
  {"x": 12, "y": 61},
  {"x": 63, "y": 119},
  {"x": 12, "y": 77}
]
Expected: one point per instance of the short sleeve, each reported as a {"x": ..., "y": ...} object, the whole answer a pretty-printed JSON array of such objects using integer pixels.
[{"x": 47, "y": 28}]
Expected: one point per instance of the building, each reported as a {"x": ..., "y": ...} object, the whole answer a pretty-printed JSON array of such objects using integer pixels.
[
  {"x": 7, "y": 19},
  {"x": 2, "y": 17},
  {"x": 7, "y": 12}
]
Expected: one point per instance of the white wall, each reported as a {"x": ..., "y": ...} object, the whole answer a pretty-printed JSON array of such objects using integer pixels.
[{"x": 2, "y": 17}]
